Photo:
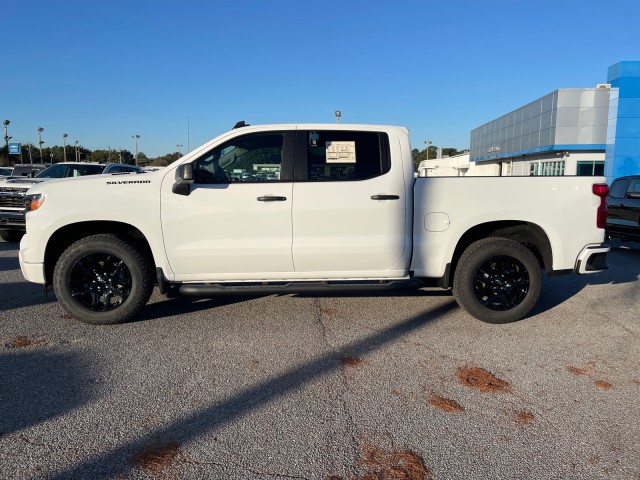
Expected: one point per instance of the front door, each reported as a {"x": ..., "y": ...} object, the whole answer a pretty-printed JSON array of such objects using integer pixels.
[{"x": 236, "y": 222}]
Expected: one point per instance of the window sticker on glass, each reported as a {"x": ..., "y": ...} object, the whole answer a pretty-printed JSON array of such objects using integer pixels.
[
  {"x": 341, "y": 152},
  {"x": 313, "y": 139}
]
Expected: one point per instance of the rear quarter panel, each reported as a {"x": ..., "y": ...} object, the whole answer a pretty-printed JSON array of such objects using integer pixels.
[{"x": 447, "y": 207}]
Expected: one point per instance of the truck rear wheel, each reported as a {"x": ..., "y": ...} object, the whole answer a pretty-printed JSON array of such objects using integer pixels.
[
  {"x": 497, "y": 280},
  {"x": 102, "y": 280}
]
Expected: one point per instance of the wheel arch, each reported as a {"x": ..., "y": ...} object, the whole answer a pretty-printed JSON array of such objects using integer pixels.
[
  {"x": 69, "y": 234},
  {"x": 532, "y": 236}
]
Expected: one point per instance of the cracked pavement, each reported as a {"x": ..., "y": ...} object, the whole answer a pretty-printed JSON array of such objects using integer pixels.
[{"x": 325, "y": 387}]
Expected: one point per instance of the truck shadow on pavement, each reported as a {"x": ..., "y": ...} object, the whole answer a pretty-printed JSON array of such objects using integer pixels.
[
  {"x": 624, "y": 267},
  {"x": 9, "y": 263},
  {"x": 24, "y": 294},
  {"x": 120, "y": 461},
  {"x": 40, "y": 385}
]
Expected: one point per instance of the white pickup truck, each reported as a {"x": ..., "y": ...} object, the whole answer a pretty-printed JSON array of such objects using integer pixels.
[{"x": 308, "y": 208}]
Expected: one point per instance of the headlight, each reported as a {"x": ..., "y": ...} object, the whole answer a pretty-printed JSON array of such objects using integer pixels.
[{"x": 33, "y": 202}]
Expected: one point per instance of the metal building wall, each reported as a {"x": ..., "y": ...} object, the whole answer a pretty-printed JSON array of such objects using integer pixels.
[{"x": 571, "y": 119}]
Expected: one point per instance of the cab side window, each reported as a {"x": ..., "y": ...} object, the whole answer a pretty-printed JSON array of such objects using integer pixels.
[
  {"x": 249, "y": 158},
  {"x": 344, "y": 155}
]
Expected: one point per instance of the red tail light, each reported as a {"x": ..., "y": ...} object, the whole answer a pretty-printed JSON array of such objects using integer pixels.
[{"x": 601, "y": 190}]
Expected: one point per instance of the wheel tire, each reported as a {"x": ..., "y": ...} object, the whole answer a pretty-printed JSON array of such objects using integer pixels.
[
  {"x": 11, "y": 235},
  {"x": 103, "y": 280},
  {"x": 497, "y": 280}
]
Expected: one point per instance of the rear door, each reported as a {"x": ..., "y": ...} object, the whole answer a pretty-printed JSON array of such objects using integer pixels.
[{"x": 349, "y": 206}]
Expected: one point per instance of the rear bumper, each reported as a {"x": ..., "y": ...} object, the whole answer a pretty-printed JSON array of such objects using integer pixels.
[{"x": 592, "y": 259}]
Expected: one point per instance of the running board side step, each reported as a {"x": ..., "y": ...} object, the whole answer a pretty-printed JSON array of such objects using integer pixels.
[{"x": 271, "y": 288}]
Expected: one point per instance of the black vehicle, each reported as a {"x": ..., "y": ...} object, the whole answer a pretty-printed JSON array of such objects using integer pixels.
[{"x": 623, "y": 206}]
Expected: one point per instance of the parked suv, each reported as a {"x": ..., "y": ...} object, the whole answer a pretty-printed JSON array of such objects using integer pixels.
[
  {"x": 623, "y": 208},
  {"x": 14, "y": 188}
]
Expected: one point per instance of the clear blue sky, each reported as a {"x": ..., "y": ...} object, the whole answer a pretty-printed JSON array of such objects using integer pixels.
[{"x": 182, "y": 72}]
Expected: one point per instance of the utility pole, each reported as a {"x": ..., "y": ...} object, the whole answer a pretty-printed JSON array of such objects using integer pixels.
[
  {"x": 40, "y": 141},
  {"x": 64, "y": 146},
  {"x": 428, "y": 143},
  {"x": 136, "y": 137},
  {"x": 6, "y": 137}
]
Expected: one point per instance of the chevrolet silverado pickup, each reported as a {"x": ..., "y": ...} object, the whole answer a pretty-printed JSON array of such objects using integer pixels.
[{"x": 308, "y": 208}]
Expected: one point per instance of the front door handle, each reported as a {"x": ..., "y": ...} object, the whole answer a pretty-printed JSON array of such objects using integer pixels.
[
  {"x": 272, "y": 198},
  {"x": 385, "y": 197}
]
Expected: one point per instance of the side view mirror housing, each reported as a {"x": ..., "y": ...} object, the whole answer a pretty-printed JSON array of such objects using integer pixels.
[{"x": 184, "y": 179}]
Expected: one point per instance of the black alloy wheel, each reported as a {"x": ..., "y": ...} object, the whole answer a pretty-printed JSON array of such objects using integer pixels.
[
  {"x": 497, "y": 280},
  {"x": 103, "y": 279},
  {"x": 501, "y": 283}
]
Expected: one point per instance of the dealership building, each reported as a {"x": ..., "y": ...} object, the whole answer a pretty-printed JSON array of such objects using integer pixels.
[{"x": 570, "y": 131}]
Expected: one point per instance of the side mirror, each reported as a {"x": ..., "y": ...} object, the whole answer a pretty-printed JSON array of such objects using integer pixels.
[{"x": 184, "y": 179}]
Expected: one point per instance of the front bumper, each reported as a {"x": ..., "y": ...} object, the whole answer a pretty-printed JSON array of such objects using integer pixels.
[{"x": 32, "y": 272}]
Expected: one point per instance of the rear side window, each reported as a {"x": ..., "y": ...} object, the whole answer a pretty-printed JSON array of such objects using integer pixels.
[
  {"x": 635, "y": 186},
  {"x": 345, "y": 155},
  {"x": 618, "y": 188}
]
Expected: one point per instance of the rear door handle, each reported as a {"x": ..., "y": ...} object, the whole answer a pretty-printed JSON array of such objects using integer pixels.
[
  {"x": 385, "y": 197},
  {"x": 272, "y": 198}
]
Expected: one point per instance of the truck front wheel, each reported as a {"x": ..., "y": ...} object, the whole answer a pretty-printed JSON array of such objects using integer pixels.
[
  {"x": 102, "y": 280},
  {"x": 497, "y": 280}
]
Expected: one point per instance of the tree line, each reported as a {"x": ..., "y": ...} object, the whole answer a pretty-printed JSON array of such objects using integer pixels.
[{"x": 55, "y": 154}]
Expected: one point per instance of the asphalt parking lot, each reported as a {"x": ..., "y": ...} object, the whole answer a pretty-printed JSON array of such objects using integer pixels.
[{"x": 309, "y": 387}]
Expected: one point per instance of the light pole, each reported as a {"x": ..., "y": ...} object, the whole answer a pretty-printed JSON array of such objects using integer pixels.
[
  {"x": 40, "y": 141},
  {"x": 136, "y": 137},
  {"x": 6, "y": 137},
  {"x": 64, "y": 146},
  {"x": 427, "y": 143},
  {"x": 77, "y": 156},
  {"x": 338, "y": 115}
]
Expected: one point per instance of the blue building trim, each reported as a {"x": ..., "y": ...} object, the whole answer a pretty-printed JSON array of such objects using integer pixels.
[
  {"x": 623, "y": 133},
  {"x": 589, "y": 147}
]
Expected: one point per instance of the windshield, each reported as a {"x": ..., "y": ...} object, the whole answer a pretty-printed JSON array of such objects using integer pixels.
[
  {"x": 64, "y": 171},
  {"x": 25, "y": 170}
]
